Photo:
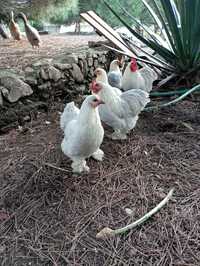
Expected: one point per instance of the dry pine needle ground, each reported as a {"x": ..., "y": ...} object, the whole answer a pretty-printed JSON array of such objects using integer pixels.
[{"x": 49, "y": 217}]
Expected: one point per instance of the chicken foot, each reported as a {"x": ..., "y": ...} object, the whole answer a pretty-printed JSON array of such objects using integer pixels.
[
  {"x": 98, "y": 155},
  {"x": 79, "y": 166},
  {"x": 117, "y": 134}
]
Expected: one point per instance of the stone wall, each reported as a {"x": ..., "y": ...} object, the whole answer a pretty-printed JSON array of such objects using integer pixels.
[{"x": 41, "y": 83}]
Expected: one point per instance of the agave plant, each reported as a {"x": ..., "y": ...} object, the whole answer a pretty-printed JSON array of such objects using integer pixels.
[{"x": 178, "y": 45}]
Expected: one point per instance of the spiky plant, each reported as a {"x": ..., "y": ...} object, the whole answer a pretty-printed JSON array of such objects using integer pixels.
[{"x": 177, "y": 48}]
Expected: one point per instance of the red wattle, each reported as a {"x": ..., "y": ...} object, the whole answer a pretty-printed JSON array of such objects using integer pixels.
[{"x": 133, "y": 67}]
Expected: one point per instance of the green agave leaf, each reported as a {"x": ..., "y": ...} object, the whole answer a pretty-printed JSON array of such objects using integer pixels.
[
  {"x": 164, "y": 25},
  {"x": 156, "y": 47},
  {"x": 181, "y": 28},
  {"x": 172, "y": 23},
  {"x": 139, "y": 23},
  {"x": 158, "y": 22}
]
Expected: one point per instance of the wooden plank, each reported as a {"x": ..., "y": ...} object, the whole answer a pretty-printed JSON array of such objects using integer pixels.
[
  {"x": 106, "y": 26},
  {"x": 102, "y": 27},
  {"x": 108, "y": 32}
]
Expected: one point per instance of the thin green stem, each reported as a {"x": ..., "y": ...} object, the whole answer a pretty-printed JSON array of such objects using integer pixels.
[
  {"x": 108, "y": 232},
  {"x": 150, "y": 108}
]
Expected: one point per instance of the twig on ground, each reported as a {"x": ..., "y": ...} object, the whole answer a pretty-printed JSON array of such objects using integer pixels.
[{"x": 56, "y": 167}]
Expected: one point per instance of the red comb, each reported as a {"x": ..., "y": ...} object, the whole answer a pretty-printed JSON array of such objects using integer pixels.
[
  {"x": 133, "y": 65},
  {"x": 92, "y": 84}
]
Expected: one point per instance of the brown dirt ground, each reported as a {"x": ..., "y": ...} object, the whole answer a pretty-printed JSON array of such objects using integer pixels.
[
  {"x": 50, "y": 217},
  {"x": 17, "y": 55}
]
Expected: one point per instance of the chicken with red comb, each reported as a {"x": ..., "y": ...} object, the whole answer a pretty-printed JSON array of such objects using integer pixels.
[
  {"x": 120, "y": 111},
  {"x": 134, "y": 78}
]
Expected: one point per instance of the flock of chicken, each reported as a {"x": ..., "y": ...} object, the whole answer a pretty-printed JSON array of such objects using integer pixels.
[
  {"x": 117, "y": 100},
  {"x": 31, "y": 33}
]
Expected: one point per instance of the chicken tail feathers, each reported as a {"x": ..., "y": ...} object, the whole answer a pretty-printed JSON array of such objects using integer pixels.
[
  {"x": 136, "y": 99},
  {"x": 149, "y": 77},
  {"x": 70, "y": 113}
]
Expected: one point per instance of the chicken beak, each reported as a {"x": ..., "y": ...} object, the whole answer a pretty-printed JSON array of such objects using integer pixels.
[
  {"x": 100, "y": 102},
  {"x": 97, "y": 103}
]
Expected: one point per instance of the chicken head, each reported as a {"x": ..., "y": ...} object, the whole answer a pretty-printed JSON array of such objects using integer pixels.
[
  {"x": 95, "y": 101},
  {"x": 95, "y": 87}
]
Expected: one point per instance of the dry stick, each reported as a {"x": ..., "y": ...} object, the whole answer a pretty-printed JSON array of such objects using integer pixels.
[
  {"x": 108, "y": 232},
  {"x": 56, "y": 167}
]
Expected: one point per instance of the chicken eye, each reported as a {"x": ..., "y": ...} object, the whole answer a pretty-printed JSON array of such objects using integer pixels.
[{"x": 95, "y": 100}]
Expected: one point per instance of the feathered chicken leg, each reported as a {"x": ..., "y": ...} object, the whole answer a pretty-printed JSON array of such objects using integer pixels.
[
  {"x": 79, "y": 165},
  {"x": 98, "y": 155}
]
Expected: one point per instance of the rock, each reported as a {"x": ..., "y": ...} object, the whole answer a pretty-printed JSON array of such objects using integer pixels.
[
  {"x": 15, "y": 88},
  {"x": 76, "y": 73},
  {"x": 11, "y": 73},
  {"x": 5, "y": 92},
  {"x": 26, "y": 118},
  {"x": 89, "y": 54},
  {"x": 103, "y": 59},
  {"x": 81, "y": 65},
  {"x": 54, "y": 73},
  {"x": 29, "y": 70},
  {"x": 31, "y": 81},
  {"x": 70, "y": 59},
  {"x": 90, "y": 61},
  {"x": 51, "y": 73},
  {"x": 85, "y": 68},
  {"x": 61, "y": 66},
  {"x": 1, "y": 98},
  {"x": 44, "y": 86},
  {"x": 96, "y": 63},
  {"x": 82, "y": 56},
  {"x": 91, "y": 71},
  {"x": 43, "y": 62},
  {"x": 44, "y": 74},
  {"x": 81, "y": 88}
]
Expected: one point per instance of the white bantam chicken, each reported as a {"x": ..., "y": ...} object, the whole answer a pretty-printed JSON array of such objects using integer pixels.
[
  {"x": 122, "y": 110},
  {"x": 83, "y": 133},
  {"x": 134, "y": 78},
  {"x": 115, "y": 74},
  {"x": 31, "y": 33},
  {"x": 101, "y": 76}
]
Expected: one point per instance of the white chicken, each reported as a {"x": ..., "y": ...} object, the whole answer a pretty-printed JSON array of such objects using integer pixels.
[
  {"x": 101, "y": 76},
  {"x": 122, "y": 110},
  {"x": 134, "y": 78},
  {"x": 83, "y": 133},
  {"x": 115, "y": 74}
]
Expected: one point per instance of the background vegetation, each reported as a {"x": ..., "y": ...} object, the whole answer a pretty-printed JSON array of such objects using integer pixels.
[{"x": 67, "y": 11}]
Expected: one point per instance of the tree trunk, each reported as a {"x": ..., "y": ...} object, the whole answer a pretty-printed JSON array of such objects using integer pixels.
[
  {"x": 3, "y": 33},
  {"x": 78, "y": 27}
]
